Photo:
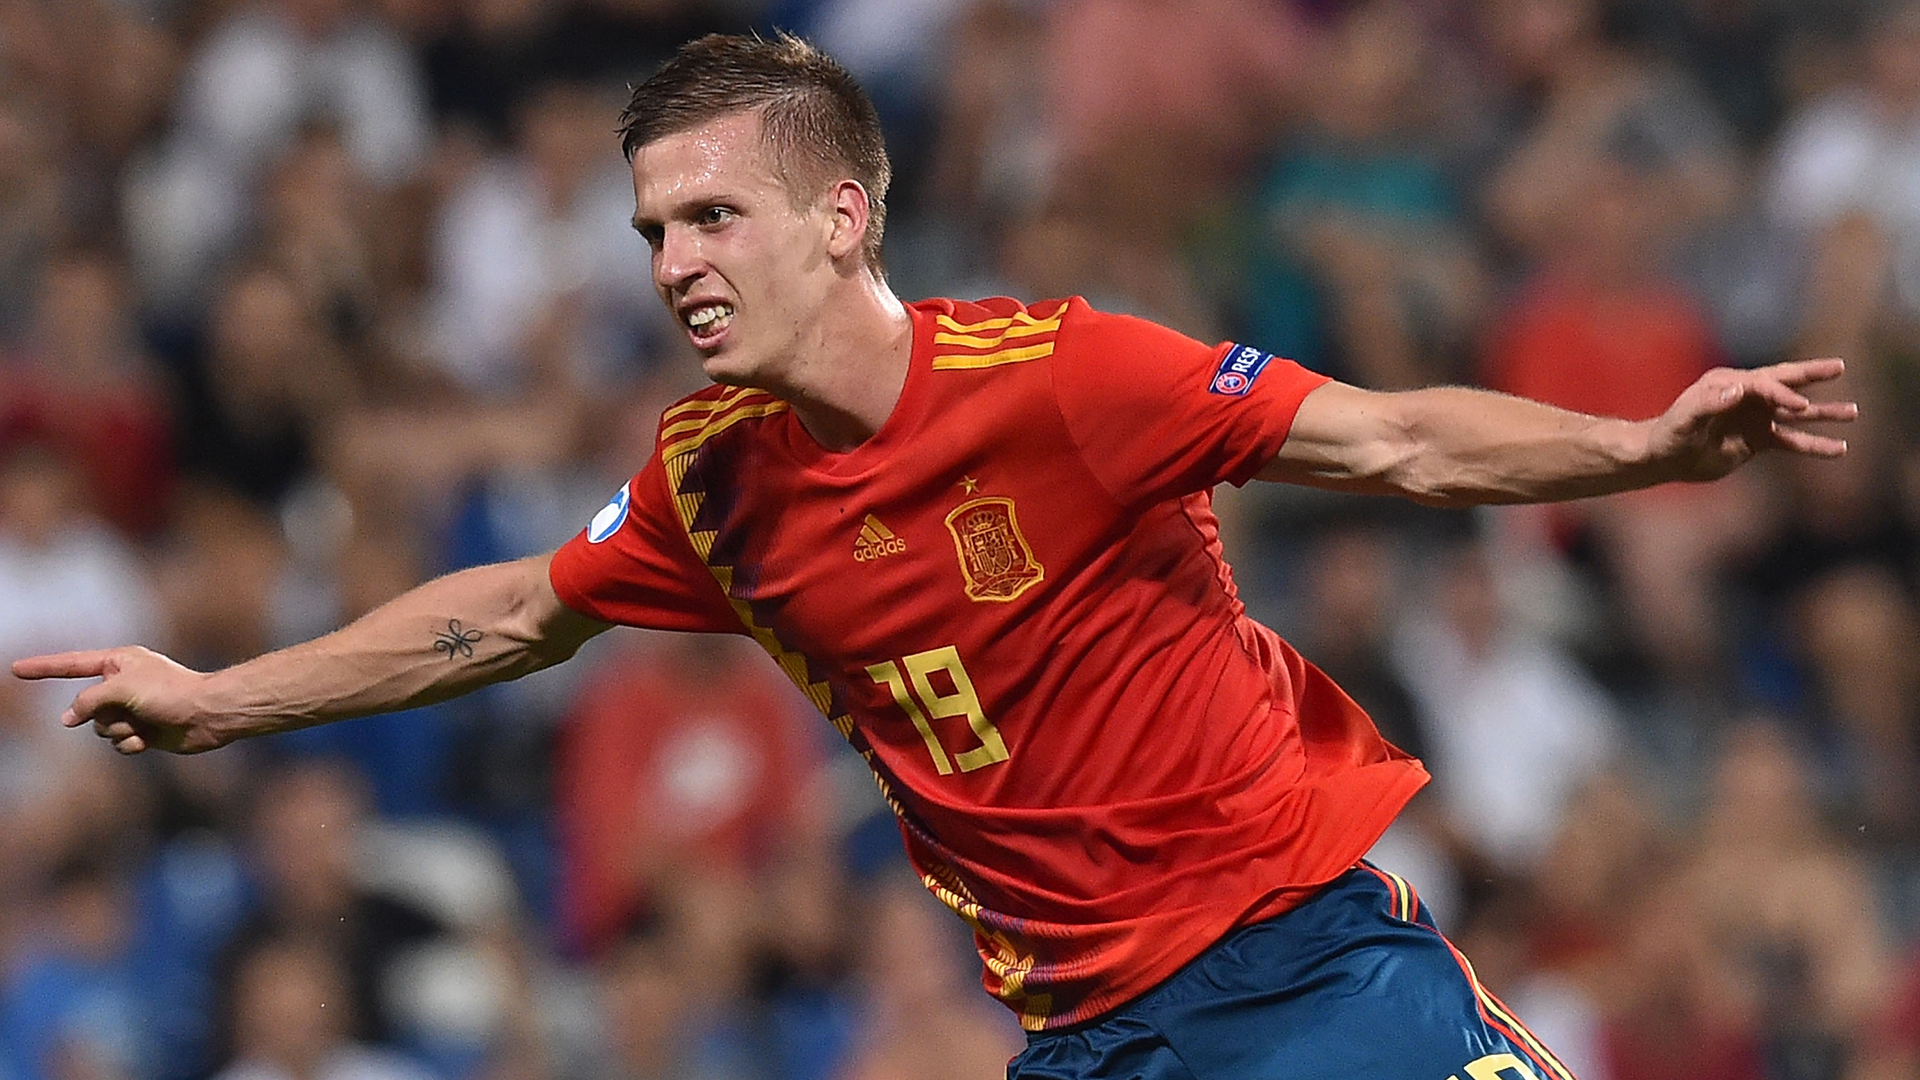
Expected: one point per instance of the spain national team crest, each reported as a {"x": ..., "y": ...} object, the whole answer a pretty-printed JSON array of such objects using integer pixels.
[{"x": 994, "y": 556}]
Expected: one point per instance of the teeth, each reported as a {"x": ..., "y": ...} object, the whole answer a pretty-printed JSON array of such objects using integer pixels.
[{"x": 713, "y": 315}]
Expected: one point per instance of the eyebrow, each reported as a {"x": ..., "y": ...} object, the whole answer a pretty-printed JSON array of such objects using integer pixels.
[{"x": 686, "y": 209}]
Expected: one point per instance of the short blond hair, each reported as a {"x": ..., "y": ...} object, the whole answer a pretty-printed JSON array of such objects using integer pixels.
[{"x": 816, "y": 120}]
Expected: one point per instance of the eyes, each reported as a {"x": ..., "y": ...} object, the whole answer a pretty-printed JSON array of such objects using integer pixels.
[{"x": 710, "y": 218}]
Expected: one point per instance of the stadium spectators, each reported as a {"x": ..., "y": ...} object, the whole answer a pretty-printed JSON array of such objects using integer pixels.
[
  {"x": 1859, "y": 634},
  {"x": 1512, "y": 726},
  {"x": 293, "y": 1019},
  {"x": 302, "y": 301},
  {"x": 1853, "y": 151},
  {"x": 926, "y": 1022},
  {"x": 85, "y": 383},
  {"x": 30, "y": 210},
  {"x": 531, "y": 230},
  {"x": 1362, "y": 264},
  {"x": 1800, "y": 968},
  {"x": 67, "y": 577},
  {"x": 73, "y": 1003},
  {"x": 687, "y": 753}
]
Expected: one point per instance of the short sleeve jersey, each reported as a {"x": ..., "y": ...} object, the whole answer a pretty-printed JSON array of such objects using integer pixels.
[{"x": 1011, "y": 601}]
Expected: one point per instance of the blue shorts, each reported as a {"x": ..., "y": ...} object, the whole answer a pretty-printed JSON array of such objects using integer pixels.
[{"x": 1355, "y": 984}]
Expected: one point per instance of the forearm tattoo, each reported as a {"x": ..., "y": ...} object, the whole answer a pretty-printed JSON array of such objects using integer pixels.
[{"x": 455, "y": 641}]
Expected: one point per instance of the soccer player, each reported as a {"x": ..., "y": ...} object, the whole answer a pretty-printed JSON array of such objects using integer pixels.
[{"x": 978, "y": 537}]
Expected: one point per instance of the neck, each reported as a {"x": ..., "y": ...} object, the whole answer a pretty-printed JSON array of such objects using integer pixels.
[{"x": 855, "y": 365}]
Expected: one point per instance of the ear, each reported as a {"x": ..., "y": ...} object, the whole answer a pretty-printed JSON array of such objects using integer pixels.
[{"x": 848, "y": 209}]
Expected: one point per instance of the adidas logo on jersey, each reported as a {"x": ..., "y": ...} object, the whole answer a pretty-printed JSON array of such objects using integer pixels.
[{"x": 876, "y": 540}]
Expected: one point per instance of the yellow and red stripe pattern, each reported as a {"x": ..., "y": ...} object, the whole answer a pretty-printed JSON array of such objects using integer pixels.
[
  {"x": 1404, "y": 905},
  {"x": 1502, "y": 1020},
  {"x": 684, "y": 430},
  {"x": 688, "y": 425},
  {"x": 1007, "y": 967},
  {"x": 1010, "y": 339}
]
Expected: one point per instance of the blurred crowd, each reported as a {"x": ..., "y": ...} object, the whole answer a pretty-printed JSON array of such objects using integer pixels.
[{"x": 305, "y": 301}]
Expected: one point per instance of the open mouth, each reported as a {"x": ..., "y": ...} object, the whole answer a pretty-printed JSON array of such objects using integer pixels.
[{"x": 707, "y": 323}]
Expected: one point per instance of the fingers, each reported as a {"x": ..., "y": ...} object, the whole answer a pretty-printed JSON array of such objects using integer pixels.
[
  {"x": 1775, "y": 386},
  {"x": 67, "y": 665},
  {"x": 89, "y": 703},
  {"x": 1822, "y": 411},
  {"x": 126, "y": 735},
  {"x": 1790, "y": 408},
  {"x": 1806, "y": 442},
  {"x": 105, "y": 704},
  {"x": 1802, "y": 372},
  {"x": 1763, "y": 385},
  {"x": 119, "y": 727},
  {"x": 1764, "y": 409}
]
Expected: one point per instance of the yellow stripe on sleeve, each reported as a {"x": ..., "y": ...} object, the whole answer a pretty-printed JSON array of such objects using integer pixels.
[
  {"x": 1018, "y": 318},
  {"x": 964, "y": 361},
  {"x": 985, "y": 341}
]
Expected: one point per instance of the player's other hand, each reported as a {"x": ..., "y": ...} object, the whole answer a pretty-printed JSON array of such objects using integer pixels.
[
  {"x": 1728, "y": 415},
  {"x": 144, "y": 701}
]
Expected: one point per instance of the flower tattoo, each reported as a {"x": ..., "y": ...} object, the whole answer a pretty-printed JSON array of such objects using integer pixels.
[{"x": 454, "y": 640}]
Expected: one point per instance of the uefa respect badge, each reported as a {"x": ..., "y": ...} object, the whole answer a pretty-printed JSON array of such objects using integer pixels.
[{"x": 1238, "y": 368}]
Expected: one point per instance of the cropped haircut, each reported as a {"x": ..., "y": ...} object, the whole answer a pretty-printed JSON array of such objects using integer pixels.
[{"x": 817, "y": 124}]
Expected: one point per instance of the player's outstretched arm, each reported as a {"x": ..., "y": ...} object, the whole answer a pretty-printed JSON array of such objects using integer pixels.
[
  {"x": 1451, "y": 446},
  {"x": 442, "y": 639}
]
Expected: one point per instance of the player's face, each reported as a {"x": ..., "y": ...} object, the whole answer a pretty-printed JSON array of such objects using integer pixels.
[{"x": 743, "y": 269}]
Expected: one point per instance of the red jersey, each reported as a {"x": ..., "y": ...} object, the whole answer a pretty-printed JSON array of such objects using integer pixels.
[{"x": 1011, "y": 600}]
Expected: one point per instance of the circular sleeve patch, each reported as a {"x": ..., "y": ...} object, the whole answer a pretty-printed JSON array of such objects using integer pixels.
[{"x": 609, "y": 519}]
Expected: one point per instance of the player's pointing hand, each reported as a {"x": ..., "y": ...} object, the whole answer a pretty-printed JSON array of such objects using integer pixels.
[
  {"x": 143, "y": 701},
  {"x": 1727, "y": 416}
]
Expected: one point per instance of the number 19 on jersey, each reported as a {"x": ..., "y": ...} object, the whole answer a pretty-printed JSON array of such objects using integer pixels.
[{"x": 911, "y": 681}]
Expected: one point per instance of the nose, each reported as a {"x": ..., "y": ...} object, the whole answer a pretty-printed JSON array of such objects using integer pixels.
[{"x": 679, "y": 261}]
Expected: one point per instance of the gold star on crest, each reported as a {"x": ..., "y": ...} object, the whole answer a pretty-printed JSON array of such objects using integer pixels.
[{"x": 970, "y": 484}]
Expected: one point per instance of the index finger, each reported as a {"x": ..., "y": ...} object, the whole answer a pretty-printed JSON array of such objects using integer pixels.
[{"x": 66, "y": 665}]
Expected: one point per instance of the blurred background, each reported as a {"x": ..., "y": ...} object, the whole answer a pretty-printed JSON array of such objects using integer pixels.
[{"x": 305, "y": 301}]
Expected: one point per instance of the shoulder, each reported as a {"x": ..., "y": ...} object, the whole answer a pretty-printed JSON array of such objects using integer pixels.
[
  {"x": 992, "y": 307},
  {"x": 973, "y": 334},
  {"x": 689, "y": 423},
  {"x": 990, "y": 333},
  {"x": 1073, "y": 310}
]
